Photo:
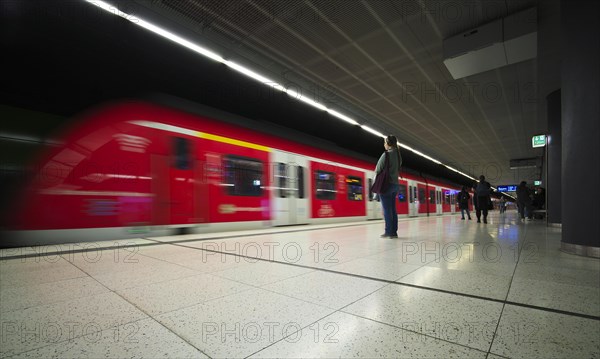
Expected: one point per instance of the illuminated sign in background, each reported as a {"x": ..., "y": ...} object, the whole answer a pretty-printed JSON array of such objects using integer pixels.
[
  {"x": 509, "y": 188},
  {"x": 538, "y": 141}
]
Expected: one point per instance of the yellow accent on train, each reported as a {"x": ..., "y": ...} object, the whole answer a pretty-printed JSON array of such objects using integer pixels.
[{"x": 231, "y": 141}]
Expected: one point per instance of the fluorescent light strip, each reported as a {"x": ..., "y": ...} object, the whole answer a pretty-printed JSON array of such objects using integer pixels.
[
  {"x": 342, "y": 117},
  {"x": 303, "y": 98},
  {"x": 266, "y": 81},
  {"x": 155, "y": 29},
  {"x": 420, "y": 154},
  {"x": 375, "y": 132},
  {"x": 254, "y": 75}
]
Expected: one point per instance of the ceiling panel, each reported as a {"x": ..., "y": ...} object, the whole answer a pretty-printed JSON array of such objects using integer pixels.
[{"x": 382, "y": 62}]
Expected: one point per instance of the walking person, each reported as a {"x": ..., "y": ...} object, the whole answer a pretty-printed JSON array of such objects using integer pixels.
[
  {"x": 483, "y": 199},
  {"x": 463, "y": 203},
  {"x": 388, "y": 197},
  {"x": 524, "y": 201}
]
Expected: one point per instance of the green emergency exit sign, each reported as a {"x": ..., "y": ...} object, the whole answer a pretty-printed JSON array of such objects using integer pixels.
[{"x": 538, "y": 141}]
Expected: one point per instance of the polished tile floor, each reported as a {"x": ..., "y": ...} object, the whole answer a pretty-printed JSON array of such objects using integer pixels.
[{"x": 445, "y": 289}]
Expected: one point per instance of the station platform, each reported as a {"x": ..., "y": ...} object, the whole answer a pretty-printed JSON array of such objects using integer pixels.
[{"x": 446, "y": 288}]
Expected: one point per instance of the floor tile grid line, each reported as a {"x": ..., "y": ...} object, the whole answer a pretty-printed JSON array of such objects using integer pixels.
[
  {"x": 316, "y": 321},
  {"x": 87, "y": 333},
  {"x": 58, "y": 301},
  {"x": 408, "y": 284},
  {"x": 77, "y": 251},
  {"x": 162, "y": 281},
  {"x": 168, "y": 280},
  {"x": 289, "y": 335},
  {"x": 235, "y": 293},
  {"x": 53, "y": 281},
  {"x": 141, "y": 310},
  {"x": 252, "y": 285},
  {"x": 341, "y": 310},
  {"x": 193, "y": 275},
  {"x": 410, "y": 331},
  {"x": 349, "y": 274},
  {"x": 85, "y": 274},
  {"x": 507, "y": 293},
  {"x": 499, "y": 356},
  {"x": 306, "y": 228}
]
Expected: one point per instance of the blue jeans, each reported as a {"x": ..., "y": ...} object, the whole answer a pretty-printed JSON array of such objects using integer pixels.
[{"x": 390, "y": 214}]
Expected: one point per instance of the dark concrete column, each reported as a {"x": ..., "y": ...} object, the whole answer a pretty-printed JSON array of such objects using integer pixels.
[
  {"x": 580, "y": 91},
  {"x": 553, "y": 183}
]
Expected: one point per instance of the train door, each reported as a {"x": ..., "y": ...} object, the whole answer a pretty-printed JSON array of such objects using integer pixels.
[
  {"x": 453, "y": 208},
  {"x": 402, "y": 202},
  {"x": 413, "y": 202},
  {"x": 374, "y": 210},
  {"x": 422, "y": 199},
  {"x": 181, "y": 181},
  {"x": 440, "y": 209},
  {"x": 432, "y": 199},
  {"x": 180, "y": 197},
  {"x": 161, "y": 206},
  {"x": 289, "y": 194}
]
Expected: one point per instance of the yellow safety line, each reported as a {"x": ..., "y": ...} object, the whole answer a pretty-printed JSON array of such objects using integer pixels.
[{"x": 231, "y": 141}]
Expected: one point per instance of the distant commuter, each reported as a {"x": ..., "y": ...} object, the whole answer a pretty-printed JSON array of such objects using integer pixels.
[
  {"x": 463, "y": 203},
  {"x": 482, "y": 193},
  {"x": 388, "y": 197},
  {"x": 502, "y": 204},
  {"x": 524, "y": 201},
  {"x": 539, "y": 198},
  {"x": 474, "y": 187}
]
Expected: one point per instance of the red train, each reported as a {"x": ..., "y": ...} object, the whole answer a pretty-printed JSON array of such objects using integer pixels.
[{"x": 138, "y": 167}]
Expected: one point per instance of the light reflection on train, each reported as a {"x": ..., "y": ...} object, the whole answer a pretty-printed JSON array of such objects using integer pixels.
[{"x": 136, "y": 167}]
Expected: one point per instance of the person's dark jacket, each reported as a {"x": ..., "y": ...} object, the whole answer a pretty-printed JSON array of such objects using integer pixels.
[
  {"x": 483, "y": 189},
  {"x": 482, "y": 192},
  {"x": 523, "y": 195},
  {"x": 463, "y": 199}
]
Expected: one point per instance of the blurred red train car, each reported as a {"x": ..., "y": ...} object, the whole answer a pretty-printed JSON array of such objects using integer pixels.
[{"x": 135, "y": 167}]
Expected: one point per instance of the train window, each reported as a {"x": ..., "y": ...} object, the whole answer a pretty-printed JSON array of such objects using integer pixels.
[
  {"x": 447, "y": 197},
  {"x": 242, "y": 176},
  {"x": 182, "y": 159},
  {"x": 354, "y": 187},
  {"x": 325, "y": 185},
  {"x": 370, "y": 190},
  {"x": 300, "y": 181},
  {"x": 402, "y": 193},
  {"x": 281, "y": 179},
  {"x": 432, "y": 196},
  {"x": 411, "y": 198},
  {"x": 422, "y": 195}
]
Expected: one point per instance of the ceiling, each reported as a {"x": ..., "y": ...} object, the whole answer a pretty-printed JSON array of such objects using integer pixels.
[
  {"x": 380, "y": 62},
  {"x": 377, "y": 61}
]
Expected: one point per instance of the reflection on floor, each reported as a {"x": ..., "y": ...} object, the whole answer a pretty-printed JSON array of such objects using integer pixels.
[{"x": 445, "y": 289}]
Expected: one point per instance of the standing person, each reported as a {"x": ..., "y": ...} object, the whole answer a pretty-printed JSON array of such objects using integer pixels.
[
  {"x": 463, "y": 203},
  {"x": 524, "y": 201},
  {"x": 483, "y": 198},
  {"x": 388, "y": 198}
]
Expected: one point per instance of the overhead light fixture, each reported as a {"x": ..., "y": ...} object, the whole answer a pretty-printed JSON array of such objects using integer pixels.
[
  {"x": 247, "y": 72},
  {"x": 375, "y": 132},
  {"x": 520, "y": 163}
]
